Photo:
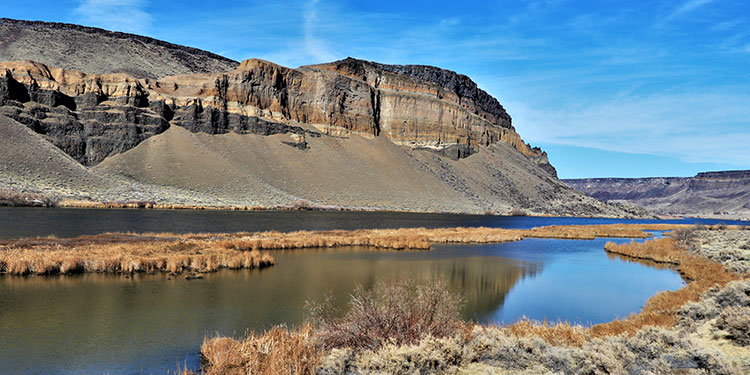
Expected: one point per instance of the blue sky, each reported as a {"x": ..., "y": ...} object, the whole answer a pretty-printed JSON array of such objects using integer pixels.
[{"x": 608, "y": 88}]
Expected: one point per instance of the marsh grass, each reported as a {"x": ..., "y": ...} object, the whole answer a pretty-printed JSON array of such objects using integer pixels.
[
  {"x": 278, "y": 351},
  {"x": 122, "y": 254},
  {"x": 151, "y": 252},
  {"x": 662, "y": 309},
  {"x": 382, "y": 334}
]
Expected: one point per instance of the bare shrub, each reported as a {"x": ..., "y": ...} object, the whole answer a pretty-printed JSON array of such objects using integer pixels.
[
  {"x": 736, "y": 321},
  {"x": 491, "y": 350},
  {"x": 720, "y": 226},
  {"x": 685, "y": 237},
  {"x": 517, "y": 212},
  {"x": 15, "y": 198},
  {"x": 736, "y": 293},
  {"x": 302, "y": 204},
  {"x": 398, "y": 312}
]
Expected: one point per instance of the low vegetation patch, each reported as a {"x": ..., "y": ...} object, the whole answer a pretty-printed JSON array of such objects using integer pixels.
[
  {"x": 117, "y": 252},
  {"x": 399, "y": 313},
  {"x": 15, "y": 198},
  {"x": 122, "y": 254},
  {"x": 381, "y": 334}
]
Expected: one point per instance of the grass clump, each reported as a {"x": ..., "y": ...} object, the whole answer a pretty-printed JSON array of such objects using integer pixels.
[
  {"x": 278, "y": 351},
  {"x": 398, "y": 313}
]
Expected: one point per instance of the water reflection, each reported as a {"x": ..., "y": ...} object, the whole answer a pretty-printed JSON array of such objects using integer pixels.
[
  {"x": 69, "y": 222},
  {"x": 99, "y": 323}
]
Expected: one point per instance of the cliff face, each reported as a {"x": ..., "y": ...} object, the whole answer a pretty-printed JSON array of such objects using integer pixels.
[
  {"x": 93, "y": 116},
  {"x": 148, "y": 120},
  {"x": 725, "y": 193}
]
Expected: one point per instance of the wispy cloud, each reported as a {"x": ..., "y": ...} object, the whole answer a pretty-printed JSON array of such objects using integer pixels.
[
  {"x": 119, "y": 15},
  {"x": 689, "y": 6},
  {"x": 315, "y": 46},
  {"x": 676, "y": 125}
]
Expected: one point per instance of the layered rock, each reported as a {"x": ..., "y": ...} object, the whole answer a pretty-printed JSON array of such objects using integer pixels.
[
  {"x": 105, "y": 114},
  {"x": 716, "y": 194}
]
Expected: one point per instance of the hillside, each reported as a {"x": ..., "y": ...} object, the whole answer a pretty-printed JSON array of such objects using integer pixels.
[
  {"x": 350, "y": 133},
  {"x": 709, "y": 194},
  {"x": 94, "y": 50}
]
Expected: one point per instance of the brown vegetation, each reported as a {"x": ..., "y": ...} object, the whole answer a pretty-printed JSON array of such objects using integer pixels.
[
  {"x": 15, "y": 198},
  {"x": 278, "y": 351},
  {"x": 371, "y": 336},
  {"x": 662, "y": 309},
  {"x": 122, "y": 254},
  {"x": 208, "y": 252},
  {"x": 399, "y": 313},
  {"x": 559, "y": 333}
]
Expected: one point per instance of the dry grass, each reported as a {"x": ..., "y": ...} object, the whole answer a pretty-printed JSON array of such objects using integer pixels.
[
  {"x": 421, "y": 238},
  {"x": 122, "y": 254},
  {"x": 384, "y": 330},
  {"x": 118, "y": 252},
  {"x": 662, "y": 309},
  {"x": 278, "y": 351},
  {"x": 560, "y": 333}
]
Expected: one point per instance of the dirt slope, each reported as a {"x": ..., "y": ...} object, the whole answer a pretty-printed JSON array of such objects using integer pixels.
[
  {"x": 353, "y": 172},
  {"x": 95, "y": 50}
]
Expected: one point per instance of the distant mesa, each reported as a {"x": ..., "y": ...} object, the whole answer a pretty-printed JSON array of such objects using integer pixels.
[{"x": 722, "y": 194}]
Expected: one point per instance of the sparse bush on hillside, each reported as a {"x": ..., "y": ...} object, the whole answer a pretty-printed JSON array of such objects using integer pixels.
[
  {"x": 302, "y": 204},
  {"x": 400, "y": 313},
  {"x": 15, "y": 198},
  {"x": 517, "y": 212}
]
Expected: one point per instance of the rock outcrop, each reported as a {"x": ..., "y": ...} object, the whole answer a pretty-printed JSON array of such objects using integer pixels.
[
  {"x": 709, "y": 194},
  {"x": 93, "y": 116},
  {"x": 172, "y": 124}
]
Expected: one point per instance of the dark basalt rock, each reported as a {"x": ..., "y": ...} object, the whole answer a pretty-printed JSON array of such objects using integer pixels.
[
  {"x": 198, "y": 118},
  {"x": 91, "y": 128}
]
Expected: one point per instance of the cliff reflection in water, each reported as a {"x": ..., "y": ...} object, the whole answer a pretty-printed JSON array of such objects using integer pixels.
[{"x": 96, "y": 323}]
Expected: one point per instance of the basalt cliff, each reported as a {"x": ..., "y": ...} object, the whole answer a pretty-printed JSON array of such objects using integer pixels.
[
  {"x": 152, "y": 121},
  {"x": 707, "y": 194}
]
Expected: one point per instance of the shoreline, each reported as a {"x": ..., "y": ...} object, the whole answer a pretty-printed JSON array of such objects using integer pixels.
[
  {"x": 663, "y": 310},
  {"x": 208, "y": 252},
  {"x": 673, "y": 325}
]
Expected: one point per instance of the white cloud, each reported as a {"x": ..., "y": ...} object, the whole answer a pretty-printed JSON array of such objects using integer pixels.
[
  {"x": 315, "y": 47},
  {"x": 688, "y": 6},
  {"x": 690, "y": 127},
  {"x": 118, "y": 15}
]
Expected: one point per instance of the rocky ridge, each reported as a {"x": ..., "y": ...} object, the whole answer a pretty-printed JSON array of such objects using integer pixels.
[
  {"x": 106, "y": 114},
  {"x": 708, "y": 194},
  {"x": 351, "y": 133}
]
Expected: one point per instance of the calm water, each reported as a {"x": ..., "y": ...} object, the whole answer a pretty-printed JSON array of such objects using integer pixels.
[
  {"x": 150, "y": 324},
  {"x": 31, "y": 222}
]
